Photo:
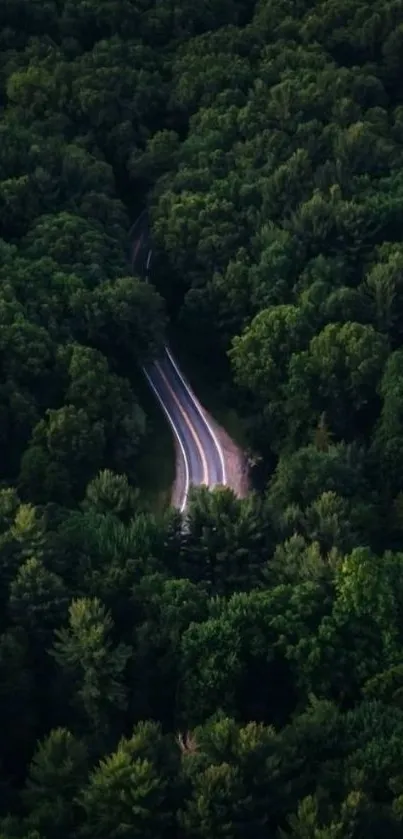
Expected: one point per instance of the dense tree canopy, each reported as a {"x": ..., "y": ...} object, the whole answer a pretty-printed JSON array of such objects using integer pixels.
[{"x": 238, "y": 674}]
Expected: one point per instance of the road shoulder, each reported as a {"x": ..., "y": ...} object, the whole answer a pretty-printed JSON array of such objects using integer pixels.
[{"x": 236, "y": 465}]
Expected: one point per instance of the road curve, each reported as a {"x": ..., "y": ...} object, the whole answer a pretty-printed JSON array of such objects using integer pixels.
[{"x": 198, "y": 446}]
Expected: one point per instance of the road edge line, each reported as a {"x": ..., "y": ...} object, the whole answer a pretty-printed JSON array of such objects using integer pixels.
[
  {"x": 189, "y": 423},
  {"x": 177, "y": 435},
  {"x": 201, "y": 414}
]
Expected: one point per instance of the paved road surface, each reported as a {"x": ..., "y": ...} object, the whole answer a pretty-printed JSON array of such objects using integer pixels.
[{"x": 197, "y": 444}]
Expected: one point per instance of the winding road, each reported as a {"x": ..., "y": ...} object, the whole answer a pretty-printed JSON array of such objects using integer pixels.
[{"x": 202, "y": 460}]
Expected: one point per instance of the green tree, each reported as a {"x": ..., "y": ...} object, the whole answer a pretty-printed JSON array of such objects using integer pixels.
[
  {"x": 126, "y": 795},
  {"x": 302, "y": 477},
  {"x": 239, "y": 659},
  {"x": 38, "y": 600},
  {"x": 127, "y": 317},
  {"x": 111, "y": 493},
  {"x": 66, "y": 448},
  {"x": 108, "y": 401},
  {"x": 167, "y": 607},
  {"x": 78, "y": 245},
  {"x": 388, "y": 434},
  {"x": 233, "y": 773},
  {"x": 117, "y": 88},
  {"x": 384, "y": 287},
  {"x": 56, "y": 774},
  {"x": 326, "y": 522},
  {"x": 9, "y": 504},
  {"x": 219, "y": 804},
  {"x": 93, "y": 665},
  {"x": 339, "y": 374},
  {"x": 225, "y": 540},
  {"x": 306, "y": 824},
  {"x": 260, "y": 358}
]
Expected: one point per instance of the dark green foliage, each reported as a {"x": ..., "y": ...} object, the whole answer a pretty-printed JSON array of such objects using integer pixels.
[{"x": 239, "y": 676}]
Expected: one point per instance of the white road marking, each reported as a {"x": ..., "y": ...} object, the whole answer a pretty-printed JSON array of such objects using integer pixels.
[
  {"x": 133, "y": 227},
  {"x": 201, "y": 414},
  {"x": 189, "y": 424},
  {"x": 191, "y": 396},
  {"x": 136, "y": 250},
  {"x": 177, "y": 435}
]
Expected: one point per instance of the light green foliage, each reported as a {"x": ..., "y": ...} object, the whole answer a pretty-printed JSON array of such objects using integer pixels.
[
  {"x": 84, "y": 649},
  {"x": 109, "y": 492},
  {"x": 126, "y": 796}
]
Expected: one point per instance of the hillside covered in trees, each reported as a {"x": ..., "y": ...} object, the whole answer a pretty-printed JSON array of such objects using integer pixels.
[{"x": 240, "y": 677}]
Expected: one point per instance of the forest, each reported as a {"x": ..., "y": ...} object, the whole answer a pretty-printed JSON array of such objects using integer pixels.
[{"x": 239, "y": 677}]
